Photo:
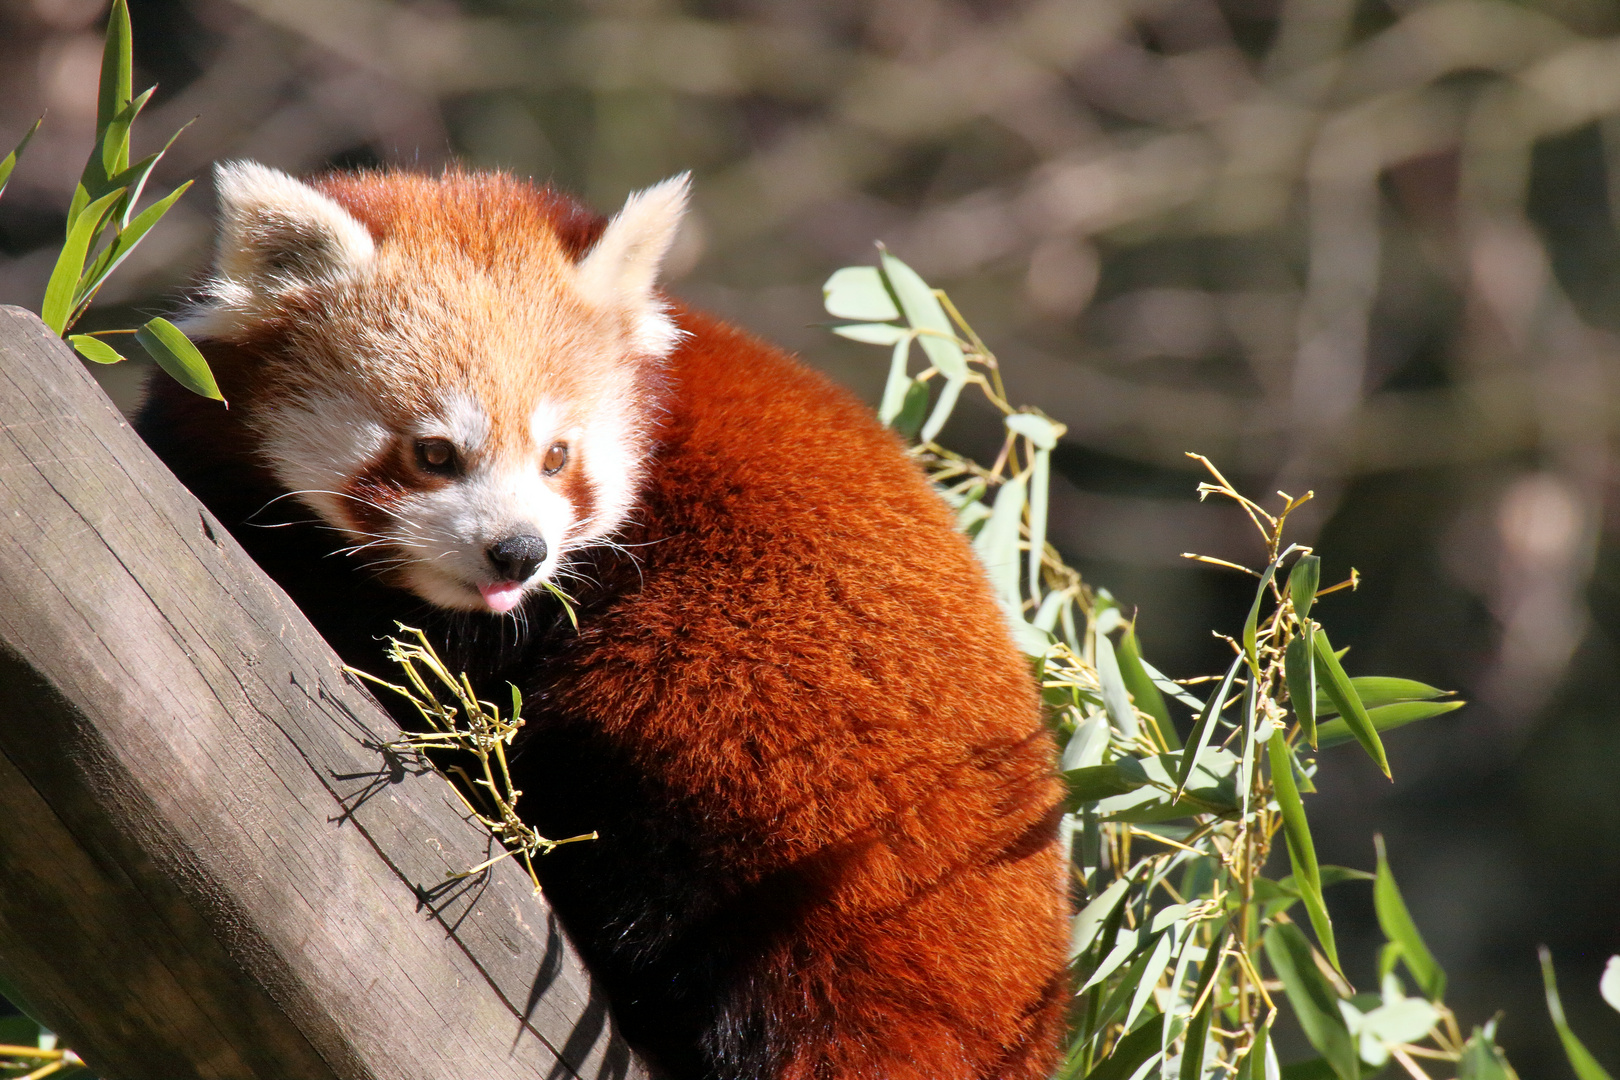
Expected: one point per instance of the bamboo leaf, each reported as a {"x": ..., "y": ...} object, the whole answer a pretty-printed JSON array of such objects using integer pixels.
[
  {"x": 94, "y": 349},
  {"x": 1580, "y": 1059},
  {"x": 910, "y": 420},
  {"x": 858, "y": 292},
  {"x": 1377, "y": 690},
  {"x": 1140, "y": 684},
  {"x": 1314, "y": 1001},
  {"x": 1085, "y": 747},
  {"x": 1091, "y": 783},
  {"x": 1384, "y": 718},
  {"x": 1040, "y": 431},
  {"x": 1344, "y": 697},
  {"x": 10, "y": 161},
  {"x": 122, "y": 245},
  {"x": 923, "y": 311},
  {"x": 872, "y": 333},
  {"x": 894, "y": 391},
  {"x": 59, "y": 291},
  {"x": 1192, "y": 1054},
  {"x": 1251, "y": 624},
  {"x": 1158, "y": 960},
  {"x": 1204, "y": 726},
  {"x": 1131, "y": 1053},
  {"x": 942, "y": 408},
  {"x": 1299, "y": 668},
  {"x": 1301, "y": 849},
  {"x": 117, "y": 64},
  {"x": 175, "y": 354},
  {"x": 1260, "y": 1063},
  {"x": 1083, "y": 931},
  {"x": 997, "y": 542},
  {"x": 1040, "y": 479},
  {"x": 1115, "y": 697},
  {"x": 1396, "y": 922},
  {"x": 1303, "y": 580},
  {"x": 1482, "y": 1060},
  {"x": 110, "y": 157}
]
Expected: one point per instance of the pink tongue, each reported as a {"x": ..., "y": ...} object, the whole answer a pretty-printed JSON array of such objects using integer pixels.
[{"x": 502, "y": 596}]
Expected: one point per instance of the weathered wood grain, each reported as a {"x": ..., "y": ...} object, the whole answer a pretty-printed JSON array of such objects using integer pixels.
[{"x": 210, "y": 864}]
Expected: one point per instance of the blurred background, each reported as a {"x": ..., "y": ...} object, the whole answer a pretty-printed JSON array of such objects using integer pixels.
[{"x": 1363, "y": 247}]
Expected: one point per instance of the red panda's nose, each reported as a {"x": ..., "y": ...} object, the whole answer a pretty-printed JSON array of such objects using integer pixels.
[{"x": 517, "y": 557}]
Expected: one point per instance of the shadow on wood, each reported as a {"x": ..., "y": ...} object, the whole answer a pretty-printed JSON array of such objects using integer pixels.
[{"x": 210, "y": 863}]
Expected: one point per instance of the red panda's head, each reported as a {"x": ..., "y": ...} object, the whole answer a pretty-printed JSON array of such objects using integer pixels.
[{"x": 455, "y": 373}]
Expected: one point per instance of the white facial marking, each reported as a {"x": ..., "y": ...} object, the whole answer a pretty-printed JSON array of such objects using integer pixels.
[
  {"x": 318, "y": 443},
  {"x": 465, "y": 422}
]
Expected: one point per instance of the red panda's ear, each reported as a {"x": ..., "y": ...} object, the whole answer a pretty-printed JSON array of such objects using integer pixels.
[
  {"x": 621, "y": 272},
  {"x": 276, "y": 234}
]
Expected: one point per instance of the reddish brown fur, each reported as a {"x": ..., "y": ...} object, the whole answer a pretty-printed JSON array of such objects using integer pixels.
[{"x": 826, "y": 795}]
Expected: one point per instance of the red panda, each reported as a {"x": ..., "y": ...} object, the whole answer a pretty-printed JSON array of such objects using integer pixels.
[{"x": 792, "y": 709}]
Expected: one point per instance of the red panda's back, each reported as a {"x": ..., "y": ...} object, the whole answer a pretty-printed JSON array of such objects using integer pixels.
[{"x": 812, "y": 665}]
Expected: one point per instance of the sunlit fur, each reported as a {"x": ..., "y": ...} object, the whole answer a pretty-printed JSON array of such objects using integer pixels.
[{"x": 791, "y": 709}]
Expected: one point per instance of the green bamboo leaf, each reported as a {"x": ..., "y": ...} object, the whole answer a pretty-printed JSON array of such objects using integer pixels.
[
  {"x": 1299, "y": 669},
  {"x": 1132, "y": 1053},
  {"x": 1131, "y": 945},
  {"x": 858, "y": 292},
  {"x": 1040, "y": 480},
  {"x": 1609, "y": 985},
  {"x": 1036, "y": 428},
  {"x": 1192, "y": 1054},
  {"x": 894, "y": 391},
  {"x": 1314, "y": 1001},
  {"x": 1158, "y": 960},
  {"x": 1302, "y": 582},
  {"x": 117, "y": 65},
  {"x": 1204, "y": 726},
  {"x": 1251, "y": 624},
  {"x": 135, "y": 177},
  {"x": 1046, "y": 616},
  {"x": 923, "y": 312},
  {"x": 1344, "y": 698},
  {"x": 1396, "y": 922},
  {"x": 1083, "y": 931},
  {"x": 1301, "y": 849},
  {"x": 1092, "y": 783},
  {"x": 942, "y": 408},
  {"x": 1085, "y": 748},
  {"x": 1384, "y": 718},
  {"x": 10, "y": 161},
  {"x": 1260, "y": 1063},
  {"x": 110, "y": 157},
  {"x": 1580, "y": 1059},
  {"x": 1115, "y": 697},
  {"x": 122, "y": 245},
  {"x": 175, "y": 354},
  {"x": 910, "y": 420},
  {"x": 872, "y": 333},
  {"x": 94, "y": 349},
  {"x": 1170, "y": 686},
  {"x": 1376, "y": 690},
  {"x": 59, "y": 291},
  {"x": 1140, "y": 684},
  {"x": 1482, "y": 1059},
  {"x": 997, "y": 542}
]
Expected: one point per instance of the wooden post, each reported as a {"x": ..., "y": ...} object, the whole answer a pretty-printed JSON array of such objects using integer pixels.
[{"x": 210, "y": 863}]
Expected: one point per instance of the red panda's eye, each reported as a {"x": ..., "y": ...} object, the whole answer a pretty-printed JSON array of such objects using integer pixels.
[
  {"x": 436, "y": 456},
  {"x": 555, "y": 458}
]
